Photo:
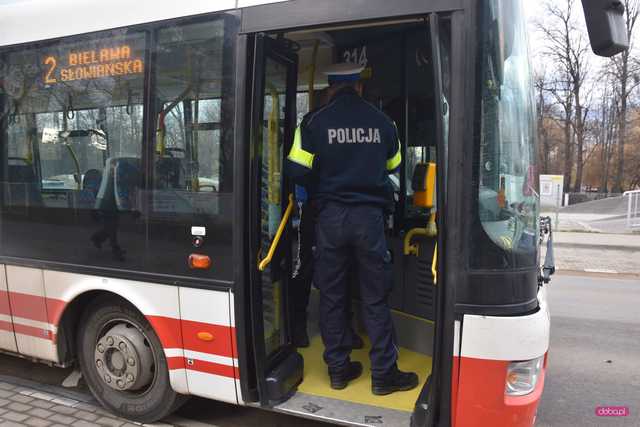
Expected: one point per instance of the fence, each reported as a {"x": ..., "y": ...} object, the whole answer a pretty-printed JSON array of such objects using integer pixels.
[{"x": 633, "y": 208}]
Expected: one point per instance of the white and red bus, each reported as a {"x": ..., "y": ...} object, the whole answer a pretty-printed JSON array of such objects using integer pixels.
[{"x": 146, "y": 232}]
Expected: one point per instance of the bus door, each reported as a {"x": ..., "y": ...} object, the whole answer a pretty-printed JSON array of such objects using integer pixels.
[{"x": 278, "y": 366}]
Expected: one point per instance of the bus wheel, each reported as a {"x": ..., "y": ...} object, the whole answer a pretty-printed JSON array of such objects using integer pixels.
[{"x": 123, "y": 363}]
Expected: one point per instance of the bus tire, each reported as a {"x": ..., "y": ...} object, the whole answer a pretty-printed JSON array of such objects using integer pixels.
[{"x": 123, "y": 362}]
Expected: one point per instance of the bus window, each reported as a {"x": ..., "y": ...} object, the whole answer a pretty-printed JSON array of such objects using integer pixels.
[
  {"x": 507, "y": 199},
  {"x": 192, "y": 181},
  {"x": 188, "y": 155},
  {"x": 74, "y": 144}
]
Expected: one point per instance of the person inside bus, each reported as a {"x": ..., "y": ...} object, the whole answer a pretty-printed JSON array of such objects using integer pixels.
[
  {"x": 303, "y": 273},
  {"x": 348, "y": 148},
  {"x": 116, "y": 195}
]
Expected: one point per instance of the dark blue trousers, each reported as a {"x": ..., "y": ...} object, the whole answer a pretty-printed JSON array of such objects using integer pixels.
[{"x": 344, "y": 234}]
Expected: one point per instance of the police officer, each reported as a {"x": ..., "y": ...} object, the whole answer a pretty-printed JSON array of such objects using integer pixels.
[
  {"x": 347, "y": 149},
  {"x": 303, "y": 272}
]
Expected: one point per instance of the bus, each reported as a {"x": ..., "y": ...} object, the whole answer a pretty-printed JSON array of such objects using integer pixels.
[{"x": 148, "y": 233}]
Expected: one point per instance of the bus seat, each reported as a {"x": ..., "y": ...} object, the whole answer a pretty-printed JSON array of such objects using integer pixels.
[
  {"x": 91, "y": 181},
  {"x": 86, "y": 198},
  {"x": 23, "y": 186}
]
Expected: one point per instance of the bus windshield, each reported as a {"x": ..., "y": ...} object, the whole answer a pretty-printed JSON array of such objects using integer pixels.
[{"x": 507, "y": 198}]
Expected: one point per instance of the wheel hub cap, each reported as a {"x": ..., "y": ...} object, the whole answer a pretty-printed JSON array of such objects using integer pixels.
[{"x": 123, "y": 359}]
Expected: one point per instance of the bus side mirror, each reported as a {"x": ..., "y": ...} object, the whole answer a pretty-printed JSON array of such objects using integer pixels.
[
  {"x": 423, "y": 185},
  {"x": 606, "y": 26}
]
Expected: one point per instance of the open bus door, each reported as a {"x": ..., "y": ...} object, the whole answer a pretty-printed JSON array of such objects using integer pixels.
[
  {"x": 433, "y": 404},
  {"x": 273, "y": 117}
]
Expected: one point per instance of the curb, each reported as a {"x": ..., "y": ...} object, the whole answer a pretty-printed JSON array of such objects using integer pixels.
[
  {"x": 596, "y": 246},
  {"x": 593, "y": 272}
]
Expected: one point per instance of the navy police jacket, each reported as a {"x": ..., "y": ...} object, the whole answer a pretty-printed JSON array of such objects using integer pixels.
[{"x": 344, "y": 151}]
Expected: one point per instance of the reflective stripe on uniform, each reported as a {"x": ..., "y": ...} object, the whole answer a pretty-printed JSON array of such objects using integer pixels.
[
  {"x": 394, "y": 162},
  {"x": 298, "y": 154}
]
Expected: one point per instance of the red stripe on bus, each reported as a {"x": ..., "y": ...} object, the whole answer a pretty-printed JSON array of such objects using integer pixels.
[
  {"x": 234, "y": 343},
  {"x": 6, "y": 326},
  {"x": 55, "y": 308},
  {"x": 174, "y": 333},
  {"x": 32, "y": 307},
  {"x": 168, "y": 330},
  {"x": 31, "y": 331},
  {"x": 221, "y": 344},
  {"x": 203, "y": 366},
  {"x": 4, "y": 303},
  {"x": 175, "y": 363},
  {"x": 27, "y": 306}
]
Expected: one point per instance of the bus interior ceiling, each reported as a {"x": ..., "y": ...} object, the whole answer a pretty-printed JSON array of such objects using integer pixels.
[{"x": 398, "y": 79}]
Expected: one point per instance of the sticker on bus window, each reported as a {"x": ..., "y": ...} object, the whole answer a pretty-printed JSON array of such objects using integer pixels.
[{"x": 198, "y": 231}]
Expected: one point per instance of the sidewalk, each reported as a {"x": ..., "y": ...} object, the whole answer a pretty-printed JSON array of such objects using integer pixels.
[
  {"x": 26, "y": 406},
  {"x": 590, "y": 222},
  {"x": 27, "y": 403},
  {"x": 629, "y": 242},
  {"x": 596, "y": 252}
]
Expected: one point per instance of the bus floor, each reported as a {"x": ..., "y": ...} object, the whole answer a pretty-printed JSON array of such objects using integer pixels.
[
  {"x": 316, "y": 381},
  {"x": 355, "y": 405}
]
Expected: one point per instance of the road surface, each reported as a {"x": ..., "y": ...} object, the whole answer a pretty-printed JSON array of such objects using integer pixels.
[{"x": 594, "y": 358}]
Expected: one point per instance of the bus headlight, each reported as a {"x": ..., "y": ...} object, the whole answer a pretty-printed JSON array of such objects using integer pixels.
[{"x": 522, "y": 377}]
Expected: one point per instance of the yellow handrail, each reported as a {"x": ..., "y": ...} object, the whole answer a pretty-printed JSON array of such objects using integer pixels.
[
  {"x": 429, "y": 231},
  {"x": 434, "y": 265},
  {"x": 276, "y": 239}
]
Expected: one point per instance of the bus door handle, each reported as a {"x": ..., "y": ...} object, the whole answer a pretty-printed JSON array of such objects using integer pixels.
[{"x": 262, "y": 265}]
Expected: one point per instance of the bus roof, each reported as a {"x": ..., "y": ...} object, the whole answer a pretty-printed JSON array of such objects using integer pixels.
[{"x": 25, "y": 21}]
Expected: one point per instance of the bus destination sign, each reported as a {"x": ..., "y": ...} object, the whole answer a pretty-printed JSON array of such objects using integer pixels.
[{"x": 92, "y": 64}]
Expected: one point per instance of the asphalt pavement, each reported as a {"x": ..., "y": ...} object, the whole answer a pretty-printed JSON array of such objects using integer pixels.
[
  {"x": 594, "y": 361},
  {"x": 594, "y": 356}
]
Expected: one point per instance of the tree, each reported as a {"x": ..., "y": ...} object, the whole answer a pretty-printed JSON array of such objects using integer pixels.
[
  {"x": 625, "y": 69},
  {"x": 568, "y": 48},
  {"x": 609, "y": 119}
]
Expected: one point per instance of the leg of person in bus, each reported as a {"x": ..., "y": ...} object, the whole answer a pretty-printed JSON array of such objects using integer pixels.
[
  {"x": 111, "y": 227},
  {"x": 302, "y": 281},
  {"x": 354, "y": 339},
  {"x": 371, "y": 256},
  {"x": 330, "y": 275},
  {"x": 304, "y": 276}
]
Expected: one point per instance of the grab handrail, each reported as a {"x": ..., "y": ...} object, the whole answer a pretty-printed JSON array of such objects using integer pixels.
[{"x": 276, "y": 239}]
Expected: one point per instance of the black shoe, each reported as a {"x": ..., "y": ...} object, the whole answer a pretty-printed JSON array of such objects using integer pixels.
[
  {"x": 357, "y": 342},
  {"x": 340, "y": 377},
  {"x": 301, "y": 339},
  {"x": 396, "y": 380}
]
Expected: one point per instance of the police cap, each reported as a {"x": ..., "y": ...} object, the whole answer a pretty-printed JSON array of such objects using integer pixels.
[{"x": 343, "y": 72}]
